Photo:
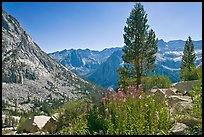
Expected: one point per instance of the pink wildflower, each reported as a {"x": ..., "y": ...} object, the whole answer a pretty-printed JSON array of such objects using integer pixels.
[
  {"x": 120, "y": 92},
  {"x": 114, "y": 97},
  {"x": 124, "y": 99}
]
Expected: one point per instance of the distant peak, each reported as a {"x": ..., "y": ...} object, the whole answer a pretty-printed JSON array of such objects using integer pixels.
[{"x": 161, "y": 40}]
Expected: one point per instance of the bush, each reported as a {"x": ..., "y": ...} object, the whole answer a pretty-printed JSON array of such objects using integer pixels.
[
  {"x": 187, "y": 75},
  {"x": 155, "y": 80},
  {"x": 194, "y": 130},
  {"x": 71, "y": 112},
  {"x": 129, "y": 113},
  {"x": 20, "y": 124},
  {"x": 195, "y": 113},
  {"x": 78, "y": 126}
]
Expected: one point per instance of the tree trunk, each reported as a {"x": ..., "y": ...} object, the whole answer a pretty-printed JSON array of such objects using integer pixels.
[{"x": 137, "y": 68}]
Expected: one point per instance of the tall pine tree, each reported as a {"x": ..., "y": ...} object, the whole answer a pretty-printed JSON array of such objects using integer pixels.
[
  {"x": 140, "y": 47},
  {"x": 187, "y": 68}
]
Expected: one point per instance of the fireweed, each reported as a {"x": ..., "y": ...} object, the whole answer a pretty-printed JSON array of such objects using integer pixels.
[{"x": 131, "y": 113}]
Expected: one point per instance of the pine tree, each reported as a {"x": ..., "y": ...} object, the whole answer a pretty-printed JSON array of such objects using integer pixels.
[
  {"x": 140, "y": 46},
  {"x": 187, "y": 67}
]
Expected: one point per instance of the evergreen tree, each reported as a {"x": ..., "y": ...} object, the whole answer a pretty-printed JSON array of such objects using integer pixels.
[
  {"x": 187, "y": 71},
  {"x": 140, "y": 47}
]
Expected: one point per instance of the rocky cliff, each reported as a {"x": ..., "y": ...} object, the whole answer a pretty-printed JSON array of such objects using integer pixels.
[{"x": 28, "y": 71}]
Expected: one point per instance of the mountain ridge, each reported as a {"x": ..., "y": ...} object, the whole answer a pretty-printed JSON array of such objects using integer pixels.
[
  {"x": 29, "y": 71},
  {"x": 168, "y": 61}
]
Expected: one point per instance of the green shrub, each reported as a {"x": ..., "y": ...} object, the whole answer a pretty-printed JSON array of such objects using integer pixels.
[
  {"x": 130, "y": 114},
  {"x": 187, "y": 75},
  {"x": 71, "y": 111},
  {"x": 20, "y": 124},
  {"x": 155, "y": 80},
  {"x": 194, "y": 130},
  {"x": 195, "y": 113},
  {"x": 77, "y": 126}
]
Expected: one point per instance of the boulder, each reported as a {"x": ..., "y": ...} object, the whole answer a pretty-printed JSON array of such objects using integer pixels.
[
  {"x": 154, "y": 90},
  {"x": 39, "y": 123},
  {"x": 175, "y": 99},
  {"x": 170, "y": 91},
  {"x": 160, "y": 94},
  {"x": 183, "y": 107},
  {"x": 50, "y": 126},
  {"x": 178, "y": 129},
  {"x": 184, "y": 86}
]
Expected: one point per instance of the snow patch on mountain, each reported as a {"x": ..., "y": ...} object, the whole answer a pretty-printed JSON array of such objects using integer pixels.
[
  {"x": 83, "y": 60},
  {"x": 160, "y": 57},
  {"x": 122, "y": 64},
  {"x": 177, "y": 59},
  {"x": 198, "y": 51},
  {"x": 177, "y": 53},
  {"x": 172, "y": 69}
]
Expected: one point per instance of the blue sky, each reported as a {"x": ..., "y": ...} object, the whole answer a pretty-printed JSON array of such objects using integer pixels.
[{"x": 55, "y": 26}]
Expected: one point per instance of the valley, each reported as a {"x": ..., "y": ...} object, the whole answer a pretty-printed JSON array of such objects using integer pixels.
[{"x": 147, "y": 86}]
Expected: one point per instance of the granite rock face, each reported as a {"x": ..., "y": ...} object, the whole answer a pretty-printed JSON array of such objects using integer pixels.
[{"x": 28, "y": 71}]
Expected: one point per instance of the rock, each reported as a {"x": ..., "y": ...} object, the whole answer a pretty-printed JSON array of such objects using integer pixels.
[
  {"x": 56, "y": 116},
  {"x": 183, "y": 107},
  {"x": 160, "y": 93},
  {"x": 51, "y": 125},
  {"x": 39, "y": 123},
  {"x": 185, "y": 86},
  {"x": 189, "y": 120},
  {"x": 11, "y": 133},
  {"x": 170, "y": 91},
  {"x": 175, "y": 99},
  {"x": 154, "y": 90},
  {"x": 16, "y": 118},
  {"x": 28, "y": 69},
  {"x": 178, "y": 129}
]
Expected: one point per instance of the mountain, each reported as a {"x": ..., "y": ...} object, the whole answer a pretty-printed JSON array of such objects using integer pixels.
[
  {"x": 105, "y": 75},
  {"x": 169, "y": 57},
  {"x": 29, "y": 71},
  {"x": 82, "y": 62},
  {"x": 100, "y": 66}
]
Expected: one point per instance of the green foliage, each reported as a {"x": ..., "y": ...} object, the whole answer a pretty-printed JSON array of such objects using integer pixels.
[
  {"x": 194, "y": 114},
  {"x": 5, "y": 104},
  {"x": 130, "y": 114},
  {"x": 196, "y": 94},
  {"x": 20, "y": 124},
  {"x": 187, "y": 75},
  {"x": 187, "y": 71},
  {"x": 125, "y": 80},
  {"x": 6, "y": 121},
  {"x": 194, "y": 130},
  {"x": 155, "y": 80},
  {"x": 78, "y": 126},
  {"x": 140, "y": 46},
  {"x": 71, "y": 112}
]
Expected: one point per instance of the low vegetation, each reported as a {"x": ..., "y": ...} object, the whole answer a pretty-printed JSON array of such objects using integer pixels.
[
  {"x": 155, "y": 81},
  {"x": 128, "y": 112}
]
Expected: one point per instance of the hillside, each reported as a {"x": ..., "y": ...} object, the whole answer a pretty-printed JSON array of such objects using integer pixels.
[{"x": 28, "y": 72}]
